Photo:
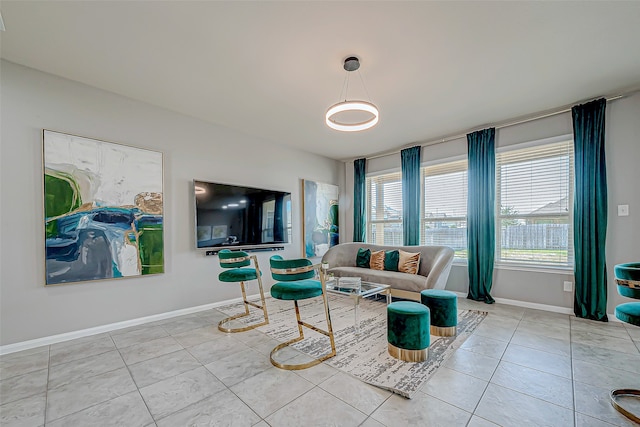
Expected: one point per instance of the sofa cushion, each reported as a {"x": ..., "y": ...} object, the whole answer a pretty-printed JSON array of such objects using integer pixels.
[
  {"x": 409, "y": 262},
  {"x": 377, "y": 260},
  {"x": 391, "y": 259},
  {"x": 363, "y": 258}
]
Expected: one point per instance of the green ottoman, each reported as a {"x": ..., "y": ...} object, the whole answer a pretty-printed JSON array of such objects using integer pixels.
[
  {"x": 444, "y": 311},
  {"x": 408, "y": 331}
]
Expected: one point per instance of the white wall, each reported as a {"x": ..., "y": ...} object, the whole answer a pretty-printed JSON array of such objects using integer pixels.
[
  {"x": 623, "y": 174},
  {"x": 31, "y": 101}
]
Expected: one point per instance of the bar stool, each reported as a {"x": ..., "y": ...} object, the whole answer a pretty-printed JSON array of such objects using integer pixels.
[
  {"x": 234, "y": 262},
  {"x": 296, "y": 281},
  {"x": 628, "y": 280}
]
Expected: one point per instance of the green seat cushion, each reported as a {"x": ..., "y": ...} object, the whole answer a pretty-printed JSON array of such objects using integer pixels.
[
  {"x": 629, "y": 313},
  {"x": 238, "y": 275},
  {"x": 301, "y": 289},
  {"x": 408, "y": 325},
  {"x": 443, "y": 305},
  {"x": 630, "y": 271}
]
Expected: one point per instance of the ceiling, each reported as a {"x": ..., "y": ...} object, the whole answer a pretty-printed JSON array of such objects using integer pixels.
[{"x": 271, "y": 69}]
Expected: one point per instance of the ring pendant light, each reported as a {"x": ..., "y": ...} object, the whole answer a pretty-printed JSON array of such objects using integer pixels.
[{"x": 352, "y": 64}]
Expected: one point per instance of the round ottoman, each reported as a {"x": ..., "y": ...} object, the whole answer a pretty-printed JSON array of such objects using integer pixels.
[
  {"x": 444, "y": 311},
  {"x": 408, "y": 331}
]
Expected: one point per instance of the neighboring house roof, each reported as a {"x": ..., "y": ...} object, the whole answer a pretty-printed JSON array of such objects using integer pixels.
[{"x": 561, "y": 205}]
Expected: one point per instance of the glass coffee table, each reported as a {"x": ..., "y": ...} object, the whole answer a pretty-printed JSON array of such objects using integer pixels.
[{"x": 367, "y": 289}]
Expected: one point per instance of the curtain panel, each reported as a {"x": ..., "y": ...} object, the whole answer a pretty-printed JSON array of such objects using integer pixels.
[
  {"x": 590, "y": 210},
  {"x": 411, "y": 195},
  {"x": 359, "y": 199},
  {"x": 481, "y": 219}
]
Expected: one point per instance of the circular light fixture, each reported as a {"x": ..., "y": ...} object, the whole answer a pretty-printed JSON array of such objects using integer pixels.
[
  {"x": 350, "y": 107},
  {"x": 362, "y": 106}
]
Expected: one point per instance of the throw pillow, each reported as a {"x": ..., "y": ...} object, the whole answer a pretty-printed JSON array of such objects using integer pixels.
[
  {"x": 377, "y": 260},
  {"x": 363, "y": 258},
  {"x": 391, "y": 259},
  {"x": 409, "y": 262}
]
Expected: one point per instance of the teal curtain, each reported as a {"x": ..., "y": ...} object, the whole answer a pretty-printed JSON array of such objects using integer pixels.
[
  {"x": 359, "y": 192},
  {"x": 481, "y": 201},
  {"x": 590, "y": 211},
  {"x": 411, "y": 195}
]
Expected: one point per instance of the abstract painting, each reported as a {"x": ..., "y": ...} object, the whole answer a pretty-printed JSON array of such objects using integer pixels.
[
  {"x": 320, "y": 217},
  {"x": 103, "y": 210}
]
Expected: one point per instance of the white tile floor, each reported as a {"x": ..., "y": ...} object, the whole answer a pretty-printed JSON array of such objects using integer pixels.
[{"x": 521, "y": 367}]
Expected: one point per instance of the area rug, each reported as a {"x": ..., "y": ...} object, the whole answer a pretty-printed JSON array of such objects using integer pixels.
[{"x": 364, "y": 354}]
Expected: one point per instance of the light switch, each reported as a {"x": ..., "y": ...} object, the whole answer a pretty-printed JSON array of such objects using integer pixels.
[{"x": 623, "y": 210}]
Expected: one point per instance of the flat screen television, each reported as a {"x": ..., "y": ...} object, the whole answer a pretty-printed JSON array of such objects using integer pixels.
[{"x": 238, "y": 217}]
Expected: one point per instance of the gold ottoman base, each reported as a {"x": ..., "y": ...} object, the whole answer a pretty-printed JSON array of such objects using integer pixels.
[
  {"x": 408, "y": 355},
  {"x": 444, "y": 331}
]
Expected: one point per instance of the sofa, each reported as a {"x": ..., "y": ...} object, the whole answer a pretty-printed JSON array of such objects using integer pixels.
[{"x": 433, "y": 270}]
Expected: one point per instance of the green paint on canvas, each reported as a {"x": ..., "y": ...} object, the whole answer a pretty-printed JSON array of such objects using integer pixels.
[
  {"x": 61, "y": 194},
  {"x": 151, "y": 249}
]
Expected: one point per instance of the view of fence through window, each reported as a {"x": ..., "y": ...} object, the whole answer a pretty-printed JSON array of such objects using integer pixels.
[
  {"x": 445, "y": 206},
  {"x": 535, "y": 195},
  {"x": 384, "y": 203},
  {"x": 534, "y": 192}
]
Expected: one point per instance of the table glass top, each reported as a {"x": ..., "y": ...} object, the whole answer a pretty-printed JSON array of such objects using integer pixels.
[{"x": 366, "y": 288}]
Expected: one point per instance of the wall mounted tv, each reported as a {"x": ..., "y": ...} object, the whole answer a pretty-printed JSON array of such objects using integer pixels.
[{"x": 237, "y": 217}]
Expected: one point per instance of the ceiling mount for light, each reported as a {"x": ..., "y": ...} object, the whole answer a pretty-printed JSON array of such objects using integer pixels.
[{"x": 351, "y": 116}]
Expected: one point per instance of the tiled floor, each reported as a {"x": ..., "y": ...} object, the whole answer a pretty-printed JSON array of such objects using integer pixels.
[{"x": 521, "y": 367}]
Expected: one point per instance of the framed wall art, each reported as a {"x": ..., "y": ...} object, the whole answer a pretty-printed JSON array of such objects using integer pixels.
[
  {"x": 103, "y": 209},
  {"x": 320, "y": 217}
]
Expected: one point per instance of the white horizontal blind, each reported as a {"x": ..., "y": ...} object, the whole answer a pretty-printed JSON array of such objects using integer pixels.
[
  {"x": 534, "y": 193},
  {"x": 384, "y": 209},
  {"x": 444, "y": 221}
]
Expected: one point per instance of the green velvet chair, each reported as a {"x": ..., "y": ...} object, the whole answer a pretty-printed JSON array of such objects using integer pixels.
[
  {"x": 628, "y": 280},
  {"x": 296, "y": 280},
  {"x": 235, "y": 264}
]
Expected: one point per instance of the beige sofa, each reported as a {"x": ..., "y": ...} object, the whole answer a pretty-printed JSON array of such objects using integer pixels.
[{"x": 435, "y": 264}]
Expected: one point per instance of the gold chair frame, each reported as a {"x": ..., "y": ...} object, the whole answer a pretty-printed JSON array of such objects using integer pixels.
[
  {"x": 633, "y": 284},
  {"x": 300, "y": 337},
  {"x": 247, "y": 303}
]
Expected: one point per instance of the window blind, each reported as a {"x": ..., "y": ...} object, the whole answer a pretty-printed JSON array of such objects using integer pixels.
[
  {"x": 535, "y": 199},
  {"x": 445, "y": 206},
  {"x": 384, "y": 209}
]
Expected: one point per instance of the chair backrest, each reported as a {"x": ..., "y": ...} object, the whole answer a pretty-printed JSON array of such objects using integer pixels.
[
  {"x": 233, "y": 259},
  {"x": 289, "y": 270}
]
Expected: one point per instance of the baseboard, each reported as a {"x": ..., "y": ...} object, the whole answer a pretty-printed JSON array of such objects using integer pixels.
[
  {"x": 54, "y": 339},
  {"x": 526, "y": 304}
]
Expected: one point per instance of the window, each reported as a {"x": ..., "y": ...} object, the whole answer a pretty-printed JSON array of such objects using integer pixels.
[
  {"x": 444, "y": 221},
  {"x": 384, "y": 209},
  {"x": 535, "y": 201}
]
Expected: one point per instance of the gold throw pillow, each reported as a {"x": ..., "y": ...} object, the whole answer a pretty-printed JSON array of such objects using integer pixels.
[
  {"x": 409, "y": 262},
  {"x": 377, "y": 260}
]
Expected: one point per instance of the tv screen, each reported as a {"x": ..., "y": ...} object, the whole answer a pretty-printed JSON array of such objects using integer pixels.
[{"x": 233, "y": 216}]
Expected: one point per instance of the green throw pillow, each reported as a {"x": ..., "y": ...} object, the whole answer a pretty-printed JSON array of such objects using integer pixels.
[
  {"x": 391, "y": 259},
  {"x": 363, "y": 257}
]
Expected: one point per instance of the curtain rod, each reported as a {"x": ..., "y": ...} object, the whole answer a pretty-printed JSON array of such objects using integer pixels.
[{"x": 515, "y": 122}]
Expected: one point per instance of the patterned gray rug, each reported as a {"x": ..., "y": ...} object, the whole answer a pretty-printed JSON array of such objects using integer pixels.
[{"x": 363, "y": 355}]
